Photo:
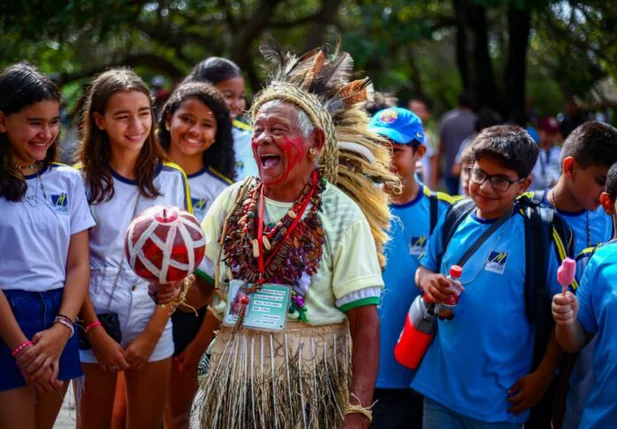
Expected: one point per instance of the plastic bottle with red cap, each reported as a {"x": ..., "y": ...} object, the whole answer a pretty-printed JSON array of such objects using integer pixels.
[
  {"x": 445, "y": 310},
  {"x": 421, "y": 325}
]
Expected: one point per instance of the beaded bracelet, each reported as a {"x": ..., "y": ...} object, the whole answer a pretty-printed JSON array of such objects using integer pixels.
[
  {"x": 92, "y": 326},
  {"x": 64, "y": 322},
  {"x": 20, "y": 348}
]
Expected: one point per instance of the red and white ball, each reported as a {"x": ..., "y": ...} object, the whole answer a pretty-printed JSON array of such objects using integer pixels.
[{"x": 164, "y": 244}]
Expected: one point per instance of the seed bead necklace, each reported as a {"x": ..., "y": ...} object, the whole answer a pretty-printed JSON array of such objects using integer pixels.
[{"x": 281, "y": 254}]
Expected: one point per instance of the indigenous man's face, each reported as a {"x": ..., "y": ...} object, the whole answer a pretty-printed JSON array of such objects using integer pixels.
[{"x": 280, "y": 149}]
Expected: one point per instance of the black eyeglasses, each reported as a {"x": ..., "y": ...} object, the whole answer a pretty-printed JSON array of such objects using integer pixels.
[{"x": 498, "y": 183}]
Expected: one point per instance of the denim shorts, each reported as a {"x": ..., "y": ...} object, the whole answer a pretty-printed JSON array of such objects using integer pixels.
[{"x": 35, "y": 312}]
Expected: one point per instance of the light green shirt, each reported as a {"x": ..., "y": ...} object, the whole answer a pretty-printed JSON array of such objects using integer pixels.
[{"x": 349, "y": 275}]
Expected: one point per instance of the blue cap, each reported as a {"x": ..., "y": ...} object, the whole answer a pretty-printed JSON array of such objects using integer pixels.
[{"x": 400, "y": 125}]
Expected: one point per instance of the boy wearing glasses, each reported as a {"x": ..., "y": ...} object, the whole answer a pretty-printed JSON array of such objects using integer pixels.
[
  {"x": 477, "y": 370},
  {"x": 398, "y": 405}
]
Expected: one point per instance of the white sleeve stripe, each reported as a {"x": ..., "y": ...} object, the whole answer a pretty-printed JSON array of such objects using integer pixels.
[{"x": 369, "y": 292}]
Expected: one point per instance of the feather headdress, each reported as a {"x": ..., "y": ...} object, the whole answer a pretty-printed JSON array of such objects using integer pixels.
[{"x": 354, "y": 158}]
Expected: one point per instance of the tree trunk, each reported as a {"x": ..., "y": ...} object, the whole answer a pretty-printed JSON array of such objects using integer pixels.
[
  {"x": 318, "y": 30},
  {"x": 473, "y": 58},
  {"x": 462, "y": 56},
  {"x": 519, "y": 26},
  {"x": 242, "y": 45}
]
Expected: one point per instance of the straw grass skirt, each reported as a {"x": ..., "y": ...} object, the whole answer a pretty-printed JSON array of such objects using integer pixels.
[{"x": 297, "y": 378}]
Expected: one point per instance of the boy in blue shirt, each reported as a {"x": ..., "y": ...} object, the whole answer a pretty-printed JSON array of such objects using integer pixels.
[
  {"x": 586, "y": 156},
  {"x": 591, "y": 314},
  {"x": 398, "y": 406},
  {"x": 477, "y": 372}
]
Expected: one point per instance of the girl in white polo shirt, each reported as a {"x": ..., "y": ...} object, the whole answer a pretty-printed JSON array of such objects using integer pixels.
[
  {"x": 44, "y": 265},
  {"x": 122, "y": 166},
  {"x": 195, "y": 130}
]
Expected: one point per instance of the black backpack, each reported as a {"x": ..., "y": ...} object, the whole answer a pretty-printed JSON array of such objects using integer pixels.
[{"x": 543, "y": 228}]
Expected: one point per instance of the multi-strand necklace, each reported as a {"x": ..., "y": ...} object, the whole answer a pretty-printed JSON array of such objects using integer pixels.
[{"x": 281, "y": 253}]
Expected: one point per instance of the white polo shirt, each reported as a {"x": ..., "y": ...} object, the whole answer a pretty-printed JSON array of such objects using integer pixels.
[
  {"x": 205, "y": 186},
  {"x": 35, "y": 233},
  {"x": 113, "y": 217}
]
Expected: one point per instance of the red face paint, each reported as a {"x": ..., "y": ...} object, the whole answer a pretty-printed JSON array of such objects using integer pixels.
[{"x": 291, "y": 150}]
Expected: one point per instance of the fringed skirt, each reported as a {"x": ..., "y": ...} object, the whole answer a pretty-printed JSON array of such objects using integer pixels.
[{"x": 297, "y": 378}]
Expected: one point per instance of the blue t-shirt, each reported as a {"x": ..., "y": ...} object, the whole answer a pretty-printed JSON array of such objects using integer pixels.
[
  {"x": 597, "y": 296},
  {"x": 245, "y": 162},
  {"x": 480, "y": 354},
  {"x": 581, "y": 380},
  {"x": 589, "y": 228},
  {"x": 409, "y": 232}
]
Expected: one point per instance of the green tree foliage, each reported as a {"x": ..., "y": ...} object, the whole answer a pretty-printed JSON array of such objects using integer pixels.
[{"x": 433, "y": 48}]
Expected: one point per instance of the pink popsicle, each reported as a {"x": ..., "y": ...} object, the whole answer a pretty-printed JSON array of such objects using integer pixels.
[{"x": 566, "y": 273}]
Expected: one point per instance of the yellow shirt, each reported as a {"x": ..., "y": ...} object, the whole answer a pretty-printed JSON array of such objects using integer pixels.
[{"x": 348, "y": 276}]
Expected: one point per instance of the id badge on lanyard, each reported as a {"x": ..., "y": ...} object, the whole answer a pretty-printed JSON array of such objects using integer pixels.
[{"x": 266, "y": 309}]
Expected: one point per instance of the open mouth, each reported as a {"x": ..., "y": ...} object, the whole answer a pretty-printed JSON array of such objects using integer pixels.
[
  {"x": 135, "y": 139},
  {"x": 269, "y": 160},
  {"x": 192, "y": 142}
]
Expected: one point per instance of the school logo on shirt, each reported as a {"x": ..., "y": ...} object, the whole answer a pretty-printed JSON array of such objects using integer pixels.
[
  {"x": 496, "y": 262},
  {"x": 199, "y": 204},
  {"x": 199, "y": 207},
  {"x": 417, "y": 245},
  {"x": 60, "y": 202}
]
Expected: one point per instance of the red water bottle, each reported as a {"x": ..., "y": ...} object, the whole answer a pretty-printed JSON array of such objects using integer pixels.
[{"x": 419, "y": 330}]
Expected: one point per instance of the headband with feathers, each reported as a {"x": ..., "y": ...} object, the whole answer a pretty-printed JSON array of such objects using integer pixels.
[{"x": 354, "y": 158}]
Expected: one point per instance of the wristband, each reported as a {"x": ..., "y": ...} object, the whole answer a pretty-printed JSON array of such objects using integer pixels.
[
  {"x": 61, "y": 320},
  {"x": 20, "y": 348},
  {"x": 92, "y": 326},
  {"x": 67, "y": 318}
]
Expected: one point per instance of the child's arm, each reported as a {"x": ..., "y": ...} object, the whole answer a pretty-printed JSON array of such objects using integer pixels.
[
  {"x": 10, "y": 332},
  {"x": 49, "y": 343},
  {"x": 435, "y": 286},
  {"x": 139, "y": 350},
  {"x": 108, "y": 352},
  {"x": 569, "y": 332}
]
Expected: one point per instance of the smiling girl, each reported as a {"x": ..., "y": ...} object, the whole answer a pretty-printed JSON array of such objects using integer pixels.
[
  {"x": 226, "y": 76},
  {"x": 44, "y": 246},
  {"x": 125, "y": 174},
  {"x": 195, "y": 130}
]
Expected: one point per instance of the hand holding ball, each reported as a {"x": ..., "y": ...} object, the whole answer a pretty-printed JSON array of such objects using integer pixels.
[{"x": 164, "y": 244}]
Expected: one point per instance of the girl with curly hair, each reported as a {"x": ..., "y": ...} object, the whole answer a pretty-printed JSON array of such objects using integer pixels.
[{"x": 196, "y": 132}]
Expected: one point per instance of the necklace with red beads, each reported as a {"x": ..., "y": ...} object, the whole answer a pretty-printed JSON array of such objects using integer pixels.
[{"x": 282, "y": 253}]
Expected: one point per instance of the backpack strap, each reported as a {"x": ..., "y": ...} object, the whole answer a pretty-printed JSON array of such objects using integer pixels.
[
  {"x": 434, "y": 210},
  {"x": 454, "y": 216},
  {"x": 538, "y": 236}
]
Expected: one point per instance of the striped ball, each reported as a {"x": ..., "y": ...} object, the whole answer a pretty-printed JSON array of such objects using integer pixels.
[{"x": 164, "y": 244}]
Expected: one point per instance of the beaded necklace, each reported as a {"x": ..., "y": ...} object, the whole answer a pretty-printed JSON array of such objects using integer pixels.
[{"x": 283, "y": 253}]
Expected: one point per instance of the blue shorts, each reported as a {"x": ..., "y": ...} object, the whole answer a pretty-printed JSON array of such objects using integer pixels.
[{"x": 35, "y": 312}]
